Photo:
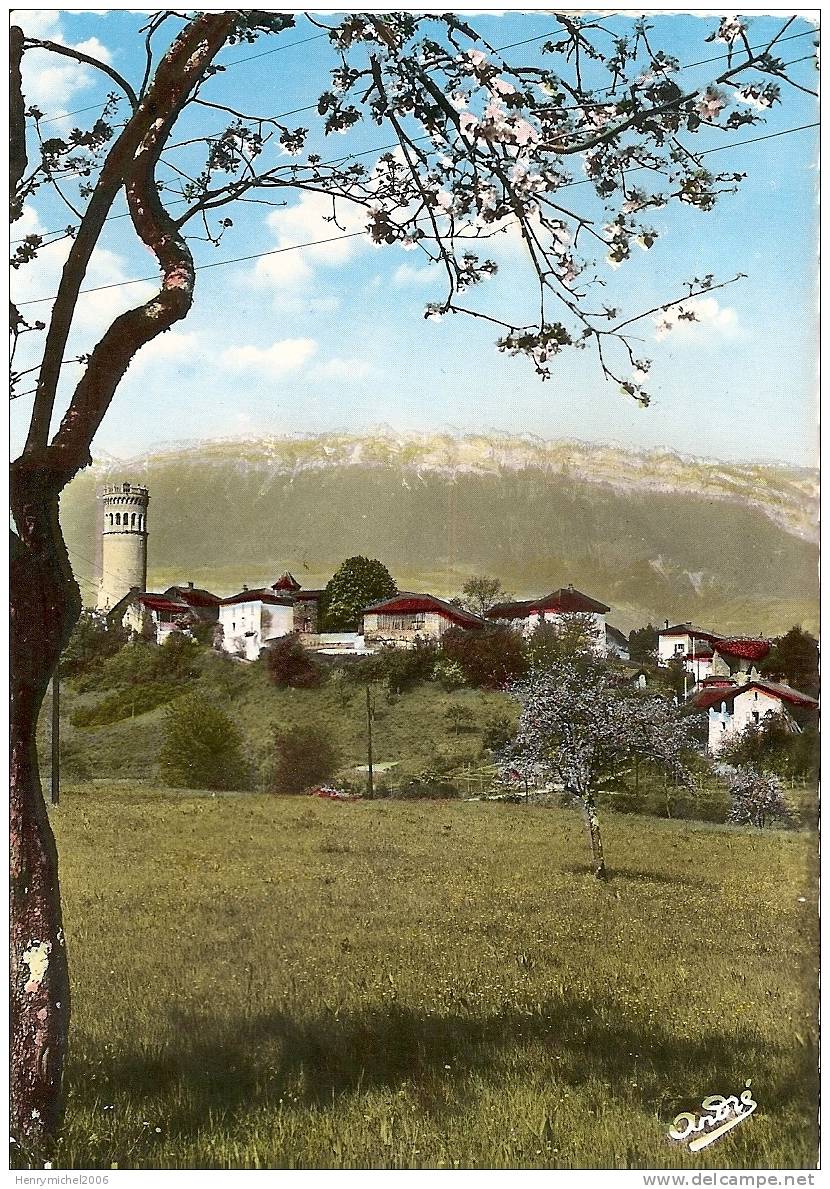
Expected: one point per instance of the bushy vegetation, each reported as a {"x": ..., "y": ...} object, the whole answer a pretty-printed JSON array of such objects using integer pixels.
[
  {"x": 757, "y": 797},
  {"x": 290, "y": 665},
  {"x": 793, "y": 658},
  {"x": 303, "y": 756},
  {"x": 776, "y": 745},
  {"x": 136, "y": 699},
  {"x": 202, "y": 747},
  {"x": 490, "y": 658},
  {"x": 398, "y": 669},
  {"x": 92, "y": 643}
]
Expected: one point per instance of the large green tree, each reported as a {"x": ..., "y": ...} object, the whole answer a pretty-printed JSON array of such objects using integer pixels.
[
  {"x": 485, "y": 142},
  {"x": 356, "y": 584}
]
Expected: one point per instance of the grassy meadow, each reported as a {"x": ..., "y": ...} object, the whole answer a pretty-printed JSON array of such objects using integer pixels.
[{"x": 265, "y": 981}]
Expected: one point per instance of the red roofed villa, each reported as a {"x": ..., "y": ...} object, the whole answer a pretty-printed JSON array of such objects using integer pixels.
[
  {"x": 407, "y": 617},
  {"x": 733, "y": 707},
  {"x": 527, "y": 614}
]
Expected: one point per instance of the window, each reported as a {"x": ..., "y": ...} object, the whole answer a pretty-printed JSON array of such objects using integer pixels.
[
  {"x": 402, "y": 623},
  {"x": 756, "y": 717},
  {"x": 679, "y": 649},
  {"x": 111, "y": 520},
  {"x": 118, "y": 518},
  {"x": 132, "y": 520}
]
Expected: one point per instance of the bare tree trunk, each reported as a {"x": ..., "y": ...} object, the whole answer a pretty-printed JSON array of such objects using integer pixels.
[
  {"x": 45, "y": 600},
  {"x": 597, "y": 855},
  {"x": 45, "y": 603}
]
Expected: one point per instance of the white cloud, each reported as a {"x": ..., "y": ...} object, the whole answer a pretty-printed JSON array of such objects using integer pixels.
[
  {"x": 50, "y": 80},
  {"x": 287, "y": 355},
  {"x": 710, "y": 318},
  {"x": 171, "y": 347},
  {"x": 343, "y": 369},
  {"x": 406, "y": 274},
  {"x": 305, "y": 222}
]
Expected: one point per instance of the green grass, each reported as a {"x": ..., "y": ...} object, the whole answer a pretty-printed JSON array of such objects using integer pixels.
[
  {"x": 289, "y": 983},
  {"x": 410, "y": 731}
]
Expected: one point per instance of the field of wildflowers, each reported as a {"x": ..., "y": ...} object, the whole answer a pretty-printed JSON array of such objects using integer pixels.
[{"x": 299, "y": 983}]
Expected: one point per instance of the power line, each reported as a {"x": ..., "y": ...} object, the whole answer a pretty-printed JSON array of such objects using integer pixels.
[{"x": 352, "y": 234}]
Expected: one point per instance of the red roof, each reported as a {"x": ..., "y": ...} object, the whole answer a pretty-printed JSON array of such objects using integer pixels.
[
  {"x": 406, "y": 602},
  {"x": 690, "y": 629},
  {"x": 286, "y": 582},
  {"x": 158, "y": 602},
  {"x": 194, "y": 596},
  {"x": 261, "y": 595},
  {"x": 785, "y": 693},
  {"x": 748, "y": 648},
  {"x": 562, "y": 601}
]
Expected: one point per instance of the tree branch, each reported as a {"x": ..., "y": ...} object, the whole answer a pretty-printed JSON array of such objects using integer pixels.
[
  {"x": 68, "y": 51},
  {"x": 132, "y": 161}
]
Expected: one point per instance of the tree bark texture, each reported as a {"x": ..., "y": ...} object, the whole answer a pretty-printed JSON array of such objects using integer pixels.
[{"x": 45, "y": 599}]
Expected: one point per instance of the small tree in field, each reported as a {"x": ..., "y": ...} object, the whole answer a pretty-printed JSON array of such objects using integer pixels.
[
  {"x": 757, "y": 797},
  {"x": 358, "y": 583},
  {"x": 481, "y": 593},
  {"x": 576, "y": 726},
  {"x": 202, "y": 748},
  {"x": 304, "y": 756}
]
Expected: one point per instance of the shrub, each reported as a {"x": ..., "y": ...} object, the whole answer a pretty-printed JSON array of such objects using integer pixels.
[
  {"x": 289, "y": 665},
  {"x": 449, "y": 673},
  {"x": 459, "y": 719},
  {"x": 427, "y": 785},
  {"x": 125, "y": 703},
  {"x": 202, "y": 747},
  {"x": 90, "y": 644},
  {"x": 304, "y": 756},
  {"x": 757, "y": 798},
  {"x": 490, "y": 658},
  {"x": 775, "y": 745},
  {"x": 498, "y": 732}
]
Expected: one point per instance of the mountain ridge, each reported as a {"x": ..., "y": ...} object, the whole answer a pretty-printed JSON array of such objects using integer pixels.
[{"x": 654, "y": 534}]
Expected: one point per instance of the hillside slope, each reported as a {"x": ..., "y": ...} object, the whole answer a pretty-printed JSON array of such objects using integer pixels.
[{"x": 655, "y": 535}]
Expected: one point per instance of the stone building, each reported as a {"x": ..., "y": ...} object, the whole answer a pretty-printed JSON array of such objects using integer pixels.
[{"x": 123, "y": 543}]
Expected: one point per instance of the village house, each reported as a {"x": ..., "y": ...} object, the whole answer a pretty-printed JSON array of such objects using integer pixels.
[
  {"x": 179, "y": 608},
  {"x": 710, "y": 654},
  {"x": 734, "y": 706},
  {"x": 526, "y": 614},
  {"x": 407, "y": 617},
  {"x": 251, "y": 619}
]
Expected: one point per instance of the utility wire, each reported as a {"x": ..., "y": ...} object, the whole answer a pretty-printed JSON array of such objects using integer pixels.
[{"x": 352, "y": 234}]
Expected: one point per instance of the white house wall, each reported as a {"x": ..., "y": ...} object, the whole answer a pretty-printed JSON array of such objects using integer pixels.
[
  {"x": 724, "y": 726},
  {"x": 248, "y": 627}
]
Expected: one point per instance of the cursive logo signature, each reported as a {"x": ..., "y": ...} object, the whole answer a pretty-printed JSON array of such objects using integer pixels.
[{"x": 722, "y": 1114}]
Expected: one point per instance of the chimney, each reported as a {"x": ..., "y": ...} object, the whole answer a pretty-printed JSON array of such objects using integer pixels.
[
  {"x": 190, "y": 585},
  {"x": 667, "y": 625},
  {"x": 244, "y": 587},
  {"x": 570, "y": 586}
]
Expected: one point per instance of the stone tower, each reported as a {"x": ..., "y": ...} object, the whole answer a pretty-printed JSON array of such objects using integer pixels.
[{"x": 123, "y": 542}]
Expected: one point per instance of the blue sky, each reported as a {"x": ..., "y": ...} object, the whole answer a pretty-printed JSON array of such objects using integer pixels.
[{"x": 333, "y": 338}]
